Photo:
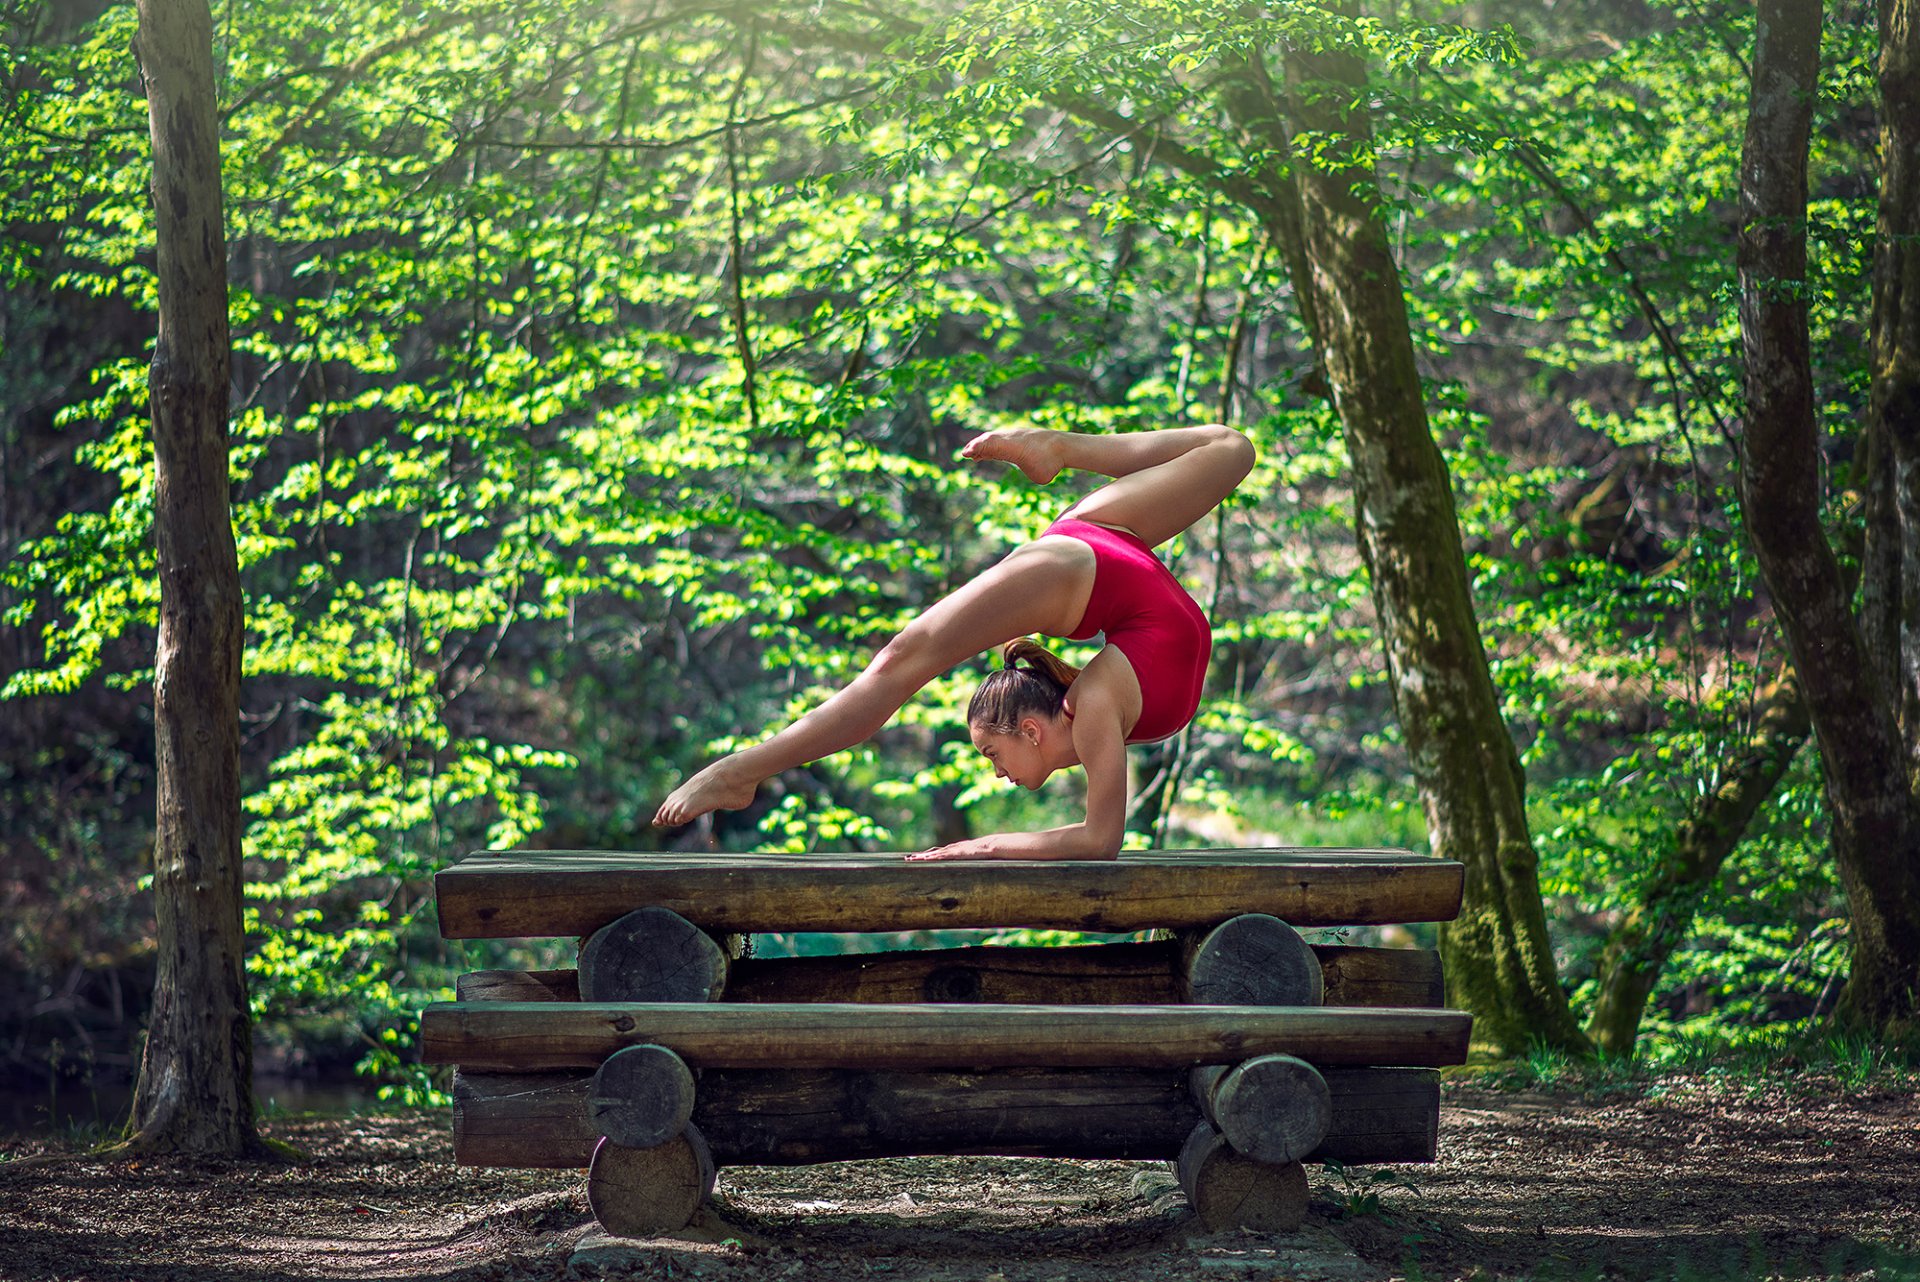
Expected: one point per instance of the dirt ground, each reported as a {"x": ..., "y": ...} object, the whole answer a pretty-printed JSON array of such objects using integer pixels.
[{"x": 1691, "y": 1180}]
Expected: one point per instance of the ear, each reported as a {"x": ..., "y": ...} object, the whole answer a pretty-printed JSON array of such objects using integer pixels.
[{"x": 1031, "y": 728}]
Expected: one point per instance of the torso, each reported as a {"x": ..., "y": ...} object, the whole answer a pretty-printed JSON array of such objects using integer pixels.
[{"x": 1158, "y": 638}]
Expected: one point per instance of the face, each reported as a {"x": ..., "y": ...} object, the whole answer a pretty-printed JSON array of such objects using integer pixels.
[{"x": 1014, "y": 756}]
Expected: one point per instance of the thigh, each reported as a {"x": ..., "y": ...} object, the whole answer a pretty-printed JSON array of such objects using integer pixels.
[{"x": 1040, "y": 587}]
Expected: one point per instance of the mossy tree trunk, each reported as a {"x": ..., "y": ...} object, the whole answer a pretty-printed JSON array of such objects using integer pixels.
[
  {"x": 1858, "y": 679},
  {"x": 194, "y": 1094},
  {"x": 1499, "y": 959}
]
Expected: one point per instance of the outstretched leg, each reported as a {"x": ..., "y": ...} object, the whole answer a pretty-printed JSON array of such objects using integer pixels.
[
  {"x": 1164, "y": 481},
  {"x": 1039, "y": 587}
]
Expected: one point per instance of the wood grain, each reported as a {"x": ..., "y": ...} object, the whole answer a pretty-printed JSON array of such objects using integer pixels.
[
  {"x": 635, "y": 1192},
  {"x": 535, "y": 1036},
  {"x": 1229, "y": 1190},
  {"x": 515, "y": 894},
  {"x": 1077, "y": 975},
  {"x": 783, "y": 1117},
  {"x": 1254, "y": 959},
  {"x": 651, "y": 955},
  {"x": 641, "y": 1097},
  {"x": 1273, "y": 1108}
]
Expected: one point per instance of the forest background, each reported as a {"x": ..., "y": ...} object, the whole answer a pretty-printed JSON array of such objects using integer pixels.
[{"x": 598, "y": 373}]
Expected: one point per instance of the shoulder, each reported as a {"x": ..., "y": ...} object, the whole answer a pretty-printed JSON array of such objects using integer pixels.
[{"x": 1106, "y": 693}]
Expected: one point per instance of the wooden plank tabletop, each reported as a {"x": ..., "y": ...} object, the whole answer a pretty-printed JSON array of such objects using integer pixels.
[
  {"x": 516, "y": 894},
  {"x": 528, "y": 1036}
]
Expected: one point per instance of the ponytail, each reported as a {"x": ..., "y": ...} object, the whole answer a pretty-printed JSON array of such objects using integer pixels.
[{"x": 1033, "y": 681}]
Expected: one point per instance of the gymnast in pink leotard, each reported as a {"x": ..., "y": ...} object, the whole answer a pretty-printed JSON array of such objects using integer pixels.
[{"x": 1092, "y": 572}]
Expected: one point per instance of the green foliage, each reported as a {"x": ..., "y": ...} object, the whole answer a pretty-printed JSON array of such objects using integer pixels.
[
  {"x": 599, "y": 375},
  {"x": 1360, "y": 1191},
  {"x": 1795, "y": 1057}
]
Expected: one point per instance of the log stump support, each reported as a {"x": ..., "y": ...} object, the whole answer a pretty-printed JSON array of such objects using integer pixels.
[
  {"x": 1273, "y": 1108},
  {"x": 635, "y": 1192},
  {"x": 642, "y": 1096},
  {"x": 652, "y": 955},
  {"x": 1227, "y": 1189},
  {"x": 1254, "y": 959}
]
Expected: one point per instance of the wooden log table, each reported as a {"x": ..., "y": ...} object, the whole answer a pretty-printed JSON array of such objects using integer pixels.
[{"x": 1226, "y": 1045}]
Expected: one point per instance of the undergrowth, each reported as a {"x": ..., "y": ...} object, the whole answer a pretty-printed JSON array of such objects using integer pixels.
[{"x": 1800, "y": 1057}]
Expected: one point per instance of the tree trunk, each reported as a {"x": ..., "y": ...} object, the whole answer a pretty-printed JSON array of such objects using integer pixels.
[
  {"x": 1638, "y": 950},
  {"x": 1854, "y": 709},
  {"x": 194, "y": 1094},
  {"x": 1499, "y": 960},
  {"x": 1891, "y": 605}
]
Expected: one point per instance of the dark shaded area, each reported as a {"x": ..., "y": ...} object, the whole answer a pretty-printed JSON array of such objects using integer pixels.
[{"x": 1694, "y": 1178}]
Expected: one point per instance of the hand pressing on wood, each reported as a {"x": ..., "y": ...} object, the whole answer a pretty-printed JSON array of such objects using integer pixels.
[{"x": 1075, "y": 841}]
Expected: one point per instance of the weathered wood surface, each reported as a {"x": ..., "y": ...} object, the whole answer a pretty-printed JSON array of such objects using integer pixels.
[
  {"x": 758, "y": 1117},
  {"x": 1357, "y": 976},
  {"x": 1229, "y": 1190},
  {"x": 1274, "y": 1108},
  {"x": 634, "y": 1192},
  {"x": 509, "y": 894},
  {"x": 1254, "y": 959},
  {"x": 518, "y": 986},
  {"x": 537, "y": 1036},
  {"x": 642, "y": 1096},
  {"x": 651, "y": 955},
  {"x": 1129, "y": 974}
]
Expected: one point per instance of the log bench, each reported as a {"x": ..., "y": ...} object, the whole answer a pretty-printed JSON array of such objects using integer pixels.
[{"x": 1228, "y": 1046}]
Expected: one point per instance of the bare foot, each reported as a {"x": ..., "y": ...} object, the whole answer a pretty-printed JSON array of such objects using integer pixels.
[
  {"x": 714, "y": 788},
  {"x": 1034, "y": 450}
]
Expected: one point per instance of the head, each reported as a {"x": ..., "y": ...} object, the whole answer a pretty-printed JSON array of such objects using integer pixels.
[{"x": 1018, "y": 716}]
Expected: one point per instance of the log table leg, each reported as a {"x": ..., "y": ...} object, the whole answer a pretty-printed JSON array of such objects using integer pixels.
[
  {"x": 652, "y": 955},
  {"x": 641, "y": 1097},
  {"x": 1273, "y": 1108},
  {"x": 638, "y": 1191},
  {"x": 1231, "y": 1190},
  {"x": 1250, "y": 960}
]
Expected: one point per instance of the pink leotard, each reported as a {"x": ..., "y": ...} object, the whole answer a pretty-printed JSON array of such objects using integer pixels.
[{"x": 1150, "y": 618}]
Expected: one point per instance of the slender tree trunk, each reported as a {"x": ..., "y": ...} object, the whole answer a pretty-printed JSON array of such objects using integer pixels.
[
  {"x": 1640, "y": 947},
  {"x": 1499, "y": 959},
  {"x": 1854, "y": 711},
  {"x": 194, "y": 1094},
  {"x": 1893, "y": 416}
]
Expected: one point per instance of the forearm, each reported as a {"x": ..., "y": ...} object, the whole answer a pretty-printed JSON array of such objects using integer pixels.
[{"x": 1074, "y": 841}]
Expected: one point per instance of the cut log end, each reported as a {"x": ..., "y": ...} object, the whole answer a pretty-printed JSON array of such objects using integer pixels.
[
  {"x": 641, "y": 1097},
  {"x": 1274, "y": 1108},
  {"x": 1230, "y": 1190},
  {"x": 652, "y": 955},
  {"x": 1251, "y": 960},
  {"x": 635, "y": 1192}
]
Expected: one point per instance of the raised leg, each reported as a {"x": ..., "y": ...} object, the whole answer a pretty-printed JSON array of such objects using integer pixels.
[
  {"x": 1164, "y": 481},
  {"x": 1039, "y": 587}
]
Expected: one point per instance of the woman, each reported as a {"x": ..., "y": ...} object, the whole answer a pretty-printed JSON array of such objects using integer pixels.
[{"x": 1091, "y": 571}]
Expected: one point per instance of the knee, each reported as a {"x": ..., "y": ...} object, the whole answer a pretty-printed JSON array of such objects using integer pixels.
[
  {"x": 902, "y": 662},
  {"x": 1233, "y": 445}
]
